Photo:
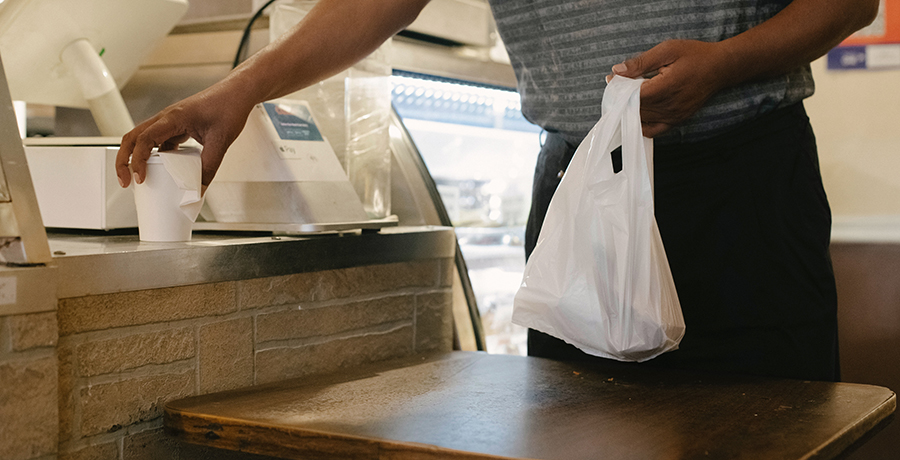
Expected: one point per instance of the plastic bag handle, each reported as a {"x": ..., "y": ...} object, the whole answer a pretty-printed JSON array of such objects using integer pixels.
[{"x": 621, "y": 110}]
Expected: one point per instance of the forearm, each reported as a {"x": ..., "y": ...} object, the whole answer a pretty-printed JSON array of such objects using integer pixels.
[
  {"x": 332, "y": 37},
  {"x": 802, "y": 32}
]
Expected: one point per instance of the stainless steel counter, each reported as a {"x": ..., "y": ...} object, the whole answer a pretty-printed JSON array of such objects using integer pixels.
[
  {"x": 26, "y": 290},
  {"x": 90, "y": 265}
]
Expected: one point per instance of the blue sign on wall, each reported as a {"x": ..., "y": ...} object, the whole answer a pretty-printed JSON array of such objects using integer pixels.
[
  {"x": 869, "y": 57},
  {"x": 847, "y": 57}
]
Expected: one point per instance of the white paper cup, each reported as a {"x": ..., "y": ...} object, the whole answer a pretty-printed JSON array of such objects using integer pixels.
[{"x": 158, "y": 199}]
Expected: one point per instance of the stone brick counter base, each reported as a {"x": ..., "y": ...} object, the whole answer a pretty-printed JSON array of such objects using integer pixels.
[
  {"x": 28, "y": 390},
  {"x": 122, "y": 356}
]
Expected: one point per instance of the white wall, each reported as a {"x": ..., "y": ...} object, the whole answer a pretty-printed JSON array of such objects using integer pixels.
[{"x": 856, "y": 118}]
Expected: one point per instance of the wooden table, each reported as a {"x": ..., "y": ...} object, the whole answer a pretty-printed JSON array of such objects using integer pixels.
[{"x": 469, "y": 405}]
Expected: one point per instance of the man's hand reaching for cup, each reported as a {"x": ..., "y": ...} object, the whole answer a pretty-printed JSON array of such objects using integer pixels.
[{"x": 214, "y": 118}]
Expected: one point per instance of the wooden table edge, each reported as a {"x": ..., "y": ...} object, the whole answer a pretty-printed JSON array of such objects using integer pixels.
[
  {"x": 281, "y": 441},
  {"x": 844, "y": 440},
  {"x": 287, "y": 441}
]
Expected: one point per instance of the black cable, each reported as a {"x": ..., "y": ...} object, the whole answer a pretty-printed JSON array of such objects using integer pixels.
[{"x": 245, "y": 38}]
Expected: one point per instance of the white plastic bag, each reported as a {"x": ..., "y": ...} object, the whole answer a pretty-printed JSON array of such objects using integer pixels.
[{"x": 598, "y": 277}]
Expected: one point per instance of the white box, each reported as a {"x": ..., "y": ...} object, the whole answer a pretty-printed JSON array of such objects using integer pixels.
[{"x": 76, "y": 185}]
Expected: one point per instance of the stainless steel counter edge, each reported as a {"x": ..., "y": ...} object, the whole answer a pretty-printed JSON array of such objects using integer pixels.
[
  {"x": 91, "y": 265},
  {"x": 26, "y": 290}
]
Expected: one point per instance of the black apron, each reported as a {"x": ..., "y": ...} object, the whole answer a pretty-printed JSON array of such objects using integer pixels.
[{"x": 746, "y": 227}]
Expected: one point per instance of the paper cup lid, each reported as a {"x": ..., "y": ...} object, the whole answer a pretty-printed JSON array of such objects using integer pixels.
[{"x": 155, "y": 158}]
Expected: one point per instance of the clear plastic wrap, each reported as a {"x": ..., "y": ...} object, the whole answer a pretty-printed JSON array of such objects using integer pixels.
[
  {"x": 367, "y": 109},
  {"x": 353, "y": 111}
]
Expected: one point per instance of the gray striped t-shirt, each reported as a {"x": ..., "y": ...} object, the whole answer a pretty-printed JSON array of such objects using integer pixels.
[{"x": 562, "y": 50}]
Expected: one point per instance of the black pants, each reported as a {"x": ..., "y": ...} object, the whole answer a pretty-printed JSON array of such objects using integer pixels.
[{"x": 746, "y": 227}]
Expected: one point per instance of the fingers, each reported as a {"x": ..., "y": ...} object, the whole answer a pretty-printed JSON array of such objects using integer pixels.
[
  {"x": 143, "y": 146},
  {"x": 173, "y": 143},
  {"x": 652, "y": 130},
  {"x": 138, "y": 144},
  {"x": 123, "y": 172},
  {"x": 127, "y": 149},
  {"x": 646, "y": 64},
  {"x": 661, "y": 106}
]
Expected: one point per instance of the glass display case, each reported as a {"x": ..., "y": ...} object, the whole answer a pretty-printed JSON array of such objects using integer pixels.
[{"x": 481, "y": 153}]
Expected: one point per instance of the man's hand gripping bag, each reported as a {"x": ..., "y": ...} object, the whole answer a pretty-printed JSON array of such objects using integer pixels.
[{"x": 598, "y": 277}]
